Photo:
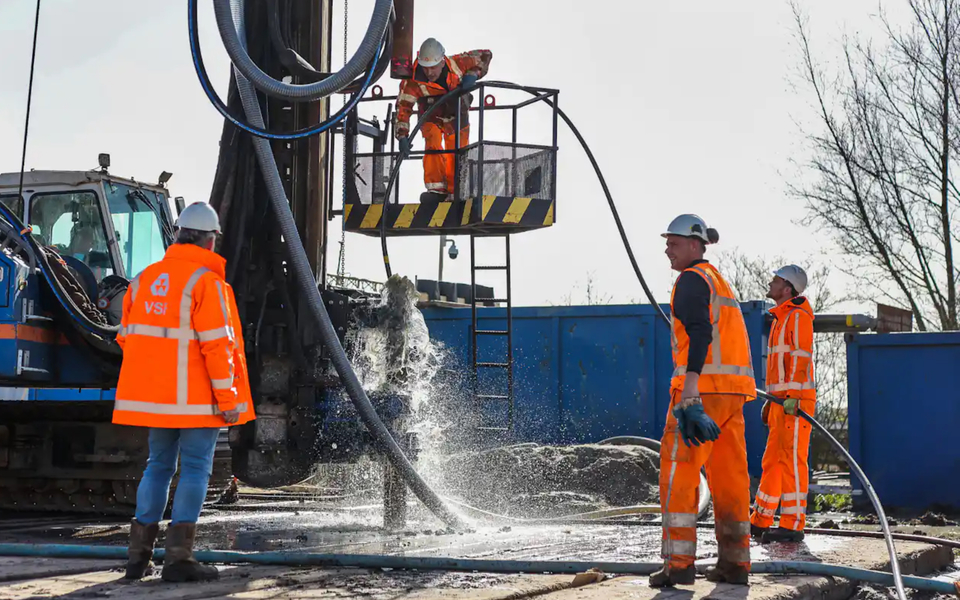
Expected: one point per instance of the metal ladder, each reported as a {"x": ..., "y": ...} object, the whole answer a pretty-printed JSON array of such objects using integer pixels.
[{"x": 478, "y": 365}]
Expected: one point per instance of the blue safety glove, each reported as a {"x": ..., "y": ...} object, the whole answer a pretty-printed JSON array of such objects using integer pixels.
[
  {"x": 790, "y": 406},
  {"x": 697, "y": 427},
  {"x": 404, "y": 145},
  {"x": 469, "y": 80}
]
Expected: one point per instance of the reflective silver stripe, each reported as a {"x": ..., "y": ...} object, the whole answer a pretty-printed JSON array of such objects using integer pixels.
[
  {"x": 717, "y": 370},
  {"x": 679, "y": 547},
  {"x": 768, "y": 497},
  {"x": 454, "y": 67},
  {"x": 793, "y": 497},
  {"x": 735, "y": 554},
  {"x": 161, "y": 332},
  {"x": 436, "y": 186},
  {"x": 189, "y": 410},
  {"x": 123, "y": 331},
  {"x": 733, "y": 528},
  {"x": 134, "y": 287},
  {"x": 801, "y": 353},
  {"x": 665, "y": 505},
  {"x": 783, "y": 348},
  {"x": 183, "y": 345},
  {"x": 407, "y": 98},
  {"x": 781, "y": 374},
  {"x": 679, "y": 519},
  {"x": 215, "y": 334},
  {"x": 767, "y": 512},
  {"x": 154, "y": 408},
  {"x": 793, "y": 510},
  {"x": 793, "y": 385},
  {"x": 222, "y": 384}
]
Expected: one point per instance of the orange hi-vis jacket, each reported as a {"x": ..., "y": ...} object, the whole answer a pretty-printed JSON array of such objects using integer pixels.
[
  {"x": 790, "y": 351},
  {"x": 728, "y": 368},
  {"x": 183, "y": 355},
  {"x": 423, "y": 93}
]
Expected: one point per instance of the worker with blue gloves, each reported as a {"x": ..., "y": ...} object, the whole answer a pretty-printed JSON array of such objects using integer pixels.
[
  {"x": 790, "y": 378},
  {"x": 712, "y": 380}
]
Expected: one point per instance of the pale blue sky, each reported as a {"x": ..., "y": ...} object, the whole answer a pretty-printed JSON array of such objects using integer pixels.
[{"x": 688, "y": 107}]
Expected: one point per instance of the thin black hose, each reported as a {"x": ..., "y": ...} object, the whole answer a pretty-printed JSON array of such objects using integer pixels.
[{"x": 26, "y": 123}]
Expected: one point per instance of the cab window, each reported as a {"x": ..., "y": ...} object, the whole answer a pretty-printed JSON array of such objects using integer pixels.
[
  {"x": 138, "y": 225},
  {"x": 72, "y": 224}
]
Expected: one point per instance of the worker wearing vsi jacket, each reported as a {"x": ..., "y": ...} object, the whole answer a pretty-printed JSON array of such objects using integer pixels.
[
  {"x": 790, "y": 377},
  {"x": 184, "y": 375},
  {"x": 712, "y": 380},
  {"x": 435, "y": 74}
]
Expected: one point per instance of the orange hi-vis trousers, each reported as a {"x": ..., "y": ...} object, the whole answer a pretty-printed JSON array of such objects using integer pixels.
[
  {"x": 726, "y": 463},
  {"x": 785, "y": 474},
  {"x": 438, "y": 175}
]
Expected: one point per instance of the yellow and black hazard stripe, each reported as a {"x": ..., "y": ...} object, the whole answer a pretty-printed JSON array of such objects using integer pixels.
[{"x": 496, "y": 214}]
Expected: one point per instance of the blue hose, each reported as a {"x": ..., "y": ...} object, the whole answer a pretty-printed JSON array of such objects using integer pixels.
[{"x": 441, "y": 563}]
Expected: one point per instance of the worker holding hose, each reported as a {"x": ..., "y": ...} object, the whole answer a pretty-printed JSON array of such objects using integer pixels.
[
  {"x": 790, "y": 377},
  {"x": 435, "y": 74},
  {"x": 712, "y": 379},
  {"x": 184, "y": 375}
]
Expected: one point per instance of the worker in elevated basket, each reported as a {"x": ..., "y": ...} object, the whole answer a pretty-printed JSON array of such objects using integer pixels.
[
  {"x": 184, "y": 375},
  {"x": 790, "y": 377},
  {"x": 712, "y": 379},
  {"x": 435, "y": 74}
]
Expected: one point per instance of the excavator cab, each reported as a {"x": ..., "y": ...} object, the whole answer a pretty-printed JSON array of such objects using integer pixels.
[{"x": 100, "y": 225}]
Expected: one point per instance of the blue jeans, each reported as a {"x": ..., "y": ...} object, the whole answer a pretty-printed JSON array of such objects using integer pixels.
[{"x": 195, "y": 448}]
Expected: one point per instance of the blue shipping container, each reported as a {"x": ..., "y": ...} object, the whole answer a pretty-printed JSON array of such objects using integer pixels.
[
  {"x": 586, "y": 373},
  {"x": 904, "y": 416}
]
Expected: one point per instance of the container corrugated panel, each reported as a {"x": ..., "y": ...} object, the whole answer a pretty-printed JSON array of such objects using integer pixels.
[
  {"x": 904, "y": 415},
  {"x": 586, "y": 373}
]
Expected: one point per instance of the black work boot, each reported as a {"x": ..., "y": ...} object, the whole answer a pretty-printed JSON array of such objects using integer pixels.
[
  {"x": 726, "y": 572},
  {"x": 178, "y": 563},
  {"x": 781, "y": 535},
  {"x": 757, "y": 531},
  {"x": 140, "y": 551},
  {"x": 669, "y": 577}
]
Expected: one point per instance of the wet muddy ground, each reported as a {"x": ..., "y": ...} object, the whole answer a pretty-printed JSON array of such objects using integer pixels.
[{"x": 302, "y": 525}]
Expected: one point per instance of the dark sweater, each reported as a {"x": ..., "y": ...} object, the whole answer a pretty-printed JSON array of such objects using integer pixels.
[{"x": 691, "y": 306}]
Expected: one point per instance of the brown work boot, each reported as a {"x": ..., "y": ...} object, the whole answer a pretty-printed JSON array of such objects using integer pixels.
[
  {"x": 725, "y": 572},
  {"x": 670, "y": 576},
  {"x": 179, "y": 565},
  {"x": 140, "y": 551},
  {"x": 781, "y": 534}
]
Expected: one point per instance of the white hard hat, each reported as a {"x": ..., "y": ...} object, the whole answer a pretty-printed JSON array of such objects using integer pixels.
[
  {"x": 431, "y": 53},
  {"x": 692, "y": 226},
  {"x": 794, "y": 275},
  {"x": 199, "y": 216}
]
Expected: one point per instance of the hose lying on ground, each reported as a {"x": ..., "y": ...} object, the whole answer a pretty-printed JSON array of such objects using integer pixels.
[
  {"x": 654, "y": 445},
  {"x": 439, "y": 563},
  {"x": 311, "y": 296},
  {"x": 868, "y": 487}
]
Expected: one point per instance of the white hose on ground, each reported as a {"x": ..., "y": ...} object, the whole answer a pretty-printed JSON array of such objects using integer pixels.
[{"x": 652, "y": 444}]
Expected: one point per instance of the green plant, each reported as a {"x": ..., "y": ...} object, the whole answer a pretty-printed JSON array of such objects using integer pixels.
[{"x": 832, "y": 502}]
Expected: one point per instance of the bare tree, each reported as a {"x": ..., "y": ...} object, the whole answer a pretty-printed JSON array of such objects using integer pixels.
[
  {"x": 591, "y": 295},
  {"x": 750, "y": 278},
  {"x": 882, "y": 158}
]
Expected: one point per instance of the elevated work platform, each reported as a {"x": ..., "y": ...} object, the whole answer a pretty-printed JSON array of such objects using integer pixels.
[
  {"x": 515, "y": 182},
  {"x": 498, "y": 214}
]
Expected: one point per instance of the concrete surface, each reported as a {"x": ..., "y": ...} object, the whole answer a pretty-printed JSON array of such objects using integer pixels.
[{"x": 22, "y": 579}]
